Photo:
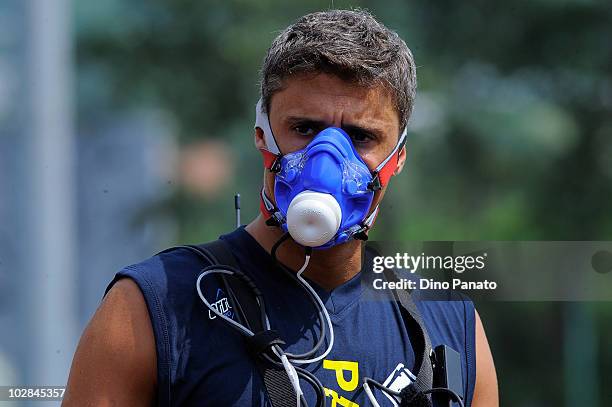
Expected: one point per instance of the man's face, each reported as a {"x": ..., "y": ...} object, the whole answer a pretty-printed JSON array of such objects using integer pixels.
[{"x": 308, "y": 104}]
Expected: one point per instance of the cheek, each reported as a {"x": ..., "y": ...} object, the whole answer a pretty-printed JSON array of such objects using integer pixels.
[
  {"x": 370, "y": 160},
  {"x": 295, "y": 144},
  {"x": 373, "y": 157},
  {"x": 288, "y": 141}
]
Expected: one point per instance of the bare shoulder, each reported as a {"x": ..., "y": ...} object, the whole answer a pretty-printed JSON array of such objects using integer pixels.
[
  {"x": 485, "y": 391},
  {"x": 115, "y": 362}
]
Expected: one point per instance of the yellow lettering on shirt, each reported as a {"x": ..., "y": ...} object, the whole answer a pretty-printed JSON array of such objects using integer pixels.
[
  {"x": 338, "y": 400},
  {"x": 340, "y": 366}
]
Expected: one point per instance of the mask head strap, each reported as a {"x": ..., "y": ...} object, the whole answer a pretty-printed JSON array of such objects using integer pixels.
[
  {"x": 361, "y": 233},
  {"x": 385, "y": 170},
  {"x": 271, "y": 153},
  {"x": 270, "y": 212}
]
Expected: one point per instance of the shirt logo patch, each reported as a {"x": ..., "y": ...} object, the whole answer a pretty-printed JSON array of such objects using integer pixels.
[{"x": 221, "y": 305}]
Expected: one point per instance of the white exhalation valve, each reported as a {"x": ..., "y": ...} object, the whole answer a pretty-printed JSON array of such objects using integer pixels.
[{"x": 313, "y": 218}]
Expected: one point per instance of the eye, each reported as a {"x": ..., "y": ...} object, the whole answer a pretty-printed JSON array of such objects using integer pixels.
[
  {"x": 305, "y": 130},
  {"x": 360, "y": 137}
]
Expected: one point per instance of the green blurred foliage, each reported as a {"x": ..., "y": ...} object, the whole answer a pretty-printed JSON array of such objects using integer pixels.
[{"x": 511, "y": 138}]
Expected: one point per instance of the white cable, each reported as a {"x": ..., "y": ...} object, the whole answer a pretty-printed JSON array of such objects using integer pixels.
[
  {"x": 368, "y": 391},
  {"x": 293, "y": 377},
  {"x": 278, "y": 351},
  {"x": 323, "y": 309},
  {"x": 244, "y": 329}
]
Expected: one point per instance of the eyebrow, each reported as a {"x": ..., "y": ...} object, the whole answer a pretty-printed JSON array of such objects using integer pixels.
[{"x": 349, "y": 128}]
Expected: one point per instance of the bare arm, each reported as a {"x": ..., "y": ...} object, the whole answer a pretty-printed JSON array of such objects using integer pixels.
[
  {"x": 115, "y": 363},
  {"x": 485, "y": 391}
]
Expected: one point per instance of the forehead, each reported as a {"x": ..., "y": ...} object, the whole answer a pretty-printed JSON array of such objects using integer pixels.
[{"x": 327, "y": 98}]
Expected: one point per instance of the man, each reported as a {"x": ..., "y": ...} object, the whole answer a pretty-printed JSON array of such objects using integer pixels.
[{"x": 330, "y": 77}]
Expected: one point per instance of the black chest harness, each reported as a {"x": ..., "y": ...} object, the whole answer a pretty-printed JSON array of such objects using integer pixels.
[{"x": 438, "y": 371}]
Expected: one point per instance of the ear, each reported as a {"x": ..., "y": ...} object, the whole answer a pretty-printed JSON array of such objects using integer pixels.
[
  {"x": 401, "y": 160},
  {"x": 260, "y": 140}
]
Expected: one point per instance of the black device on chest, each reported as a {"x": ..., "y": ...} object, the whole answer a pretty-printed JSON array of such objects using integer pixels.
[{"x": 447, "y": 374}]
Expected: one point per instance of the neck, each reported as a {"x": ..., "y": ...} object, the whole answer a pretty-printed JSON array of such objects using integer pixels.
[{"x": 328, "y": 268}]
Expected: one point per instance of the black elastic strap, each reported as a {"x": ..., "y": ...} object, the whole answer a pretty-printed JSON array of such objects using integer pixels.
[
  {"x": 261, "y": 342},
  {"x": 277, "y": 382},
  {"x": 217, "y": 252},
  {"x": 414, "y": 322}
]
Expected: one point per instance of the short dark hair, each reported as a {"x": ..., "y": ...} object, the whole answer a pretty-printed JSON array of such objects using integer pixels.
[{"x": 351, "y": 44}]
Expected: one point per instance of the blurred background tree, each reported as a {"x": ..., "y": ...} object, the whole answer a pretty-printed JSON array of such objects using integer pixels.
[{"x": 511, "y": 138}]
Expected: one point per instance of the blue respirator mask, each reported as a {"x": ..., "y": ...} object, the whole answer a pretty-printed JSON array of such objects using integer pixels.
[{"x": 323, "y": 192}]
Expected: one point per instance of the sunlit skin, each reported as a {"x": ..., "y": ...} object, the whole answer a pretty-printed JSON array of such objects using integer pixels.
[{"x": 305, "y": 106}]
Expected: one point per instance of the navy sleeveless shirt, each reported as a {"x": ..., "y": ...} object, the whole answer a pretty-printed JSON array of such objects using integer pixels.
[{"x": 202, "y": 362}]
